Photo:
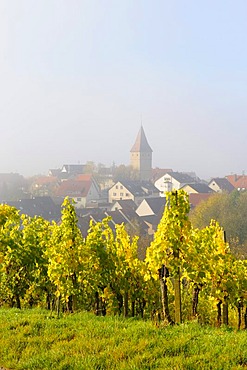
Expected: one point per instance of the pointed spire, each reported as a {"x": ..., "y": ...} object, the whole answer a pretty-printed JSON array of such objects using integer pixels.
[{"x": 141, "y": 143}]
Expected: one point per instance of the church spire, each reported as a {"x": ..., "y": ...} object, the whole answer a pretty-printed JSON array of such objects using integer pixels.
[
  {"x": 141, "y": 156},
  {"x": 141, "y": 143}
]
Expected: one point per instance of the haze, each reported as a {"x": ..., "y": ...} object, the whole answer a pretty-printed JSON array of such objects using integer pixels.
[{"x": 77, "y": 78}]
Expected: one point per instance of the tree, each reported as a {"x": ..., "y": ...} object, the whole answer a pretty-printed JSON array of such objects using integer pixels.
[
  {"x": 123, "y": 172},
  {"x": 90, "y": 167},
  {"x": 65, "y": 254},
  {"x": 230, "y": 210},
  {"x": 21, "y": 238},
  {"x": 207, "y": 267},
  {"x": 99, "y": 266},
  {"x": 166, "y": 252},
  {"x": 13, "y": 284},
  {"x": 127, "y": 277},
  {"x": 36, "y": 233}
]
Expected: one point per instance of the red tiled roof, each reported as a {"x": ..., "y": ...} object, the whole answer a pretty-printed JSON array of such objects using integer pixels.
[
  {"x": 195, "y": 199},
  {"x": 43, "y": 180},
  {"x": 238, "y": 181},
  {"x": 84, "y": 177},
  {"x": 73, "y": 188}
]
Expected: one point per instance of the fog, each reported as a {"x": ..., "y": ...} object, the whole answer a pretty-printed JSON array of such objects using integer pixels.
[{"x": 77, "y": 78}]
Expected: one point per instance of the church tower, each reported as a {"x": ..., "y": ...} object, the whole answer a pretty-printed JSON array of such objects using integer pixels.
[{"x": 141, "y": 156}]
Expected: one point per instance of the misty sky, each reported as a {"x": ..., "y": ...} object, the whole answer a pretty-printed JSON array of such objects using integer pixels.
[{"x": 76, "y": 77}]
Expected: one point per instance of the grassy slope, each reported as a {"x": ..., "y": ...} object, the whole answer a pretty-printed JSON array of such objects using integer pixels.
[{"x": 31, "y": 339}]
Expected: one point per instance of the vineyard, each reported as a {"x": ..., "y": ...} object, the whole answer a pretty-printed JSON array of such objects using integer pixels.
[{"x": 188, "y": 273}]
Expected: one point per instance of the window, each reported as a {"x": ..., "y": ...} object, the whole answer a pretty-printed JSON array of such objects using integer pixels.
[
  {"x": 127, "y": 194},
  {"x": 121, "y": 187},
  {"x": 116, "y": 186},
  {"x": 114, "y": 194},
  {"x": 121, "y": 194}
]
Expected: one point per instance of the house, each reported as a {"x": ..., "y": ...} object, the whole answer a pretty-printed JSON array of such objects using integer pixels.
[
  {"x": 131, "y": 190},
  {"x": 173, "y": 181},
  {"x": 197, "y": 198},
  {"x": 68, "y": 171},
  {"x": 38, "y": 206},
  {"x": 151, "y": 206},
  {"x": 54, "y": 172},
  {"x": 83, "y": 191},
  {"x": 220, "y": 185},
  {"x": 127, "y": 208},
  {"x": 159, "y": 172},
  {"x": 127, "y": 204},
  {"x": 135, "y": 225},
  {"x": 238, "y": 181},
  {"x": 73, "y": 169},
  {"x": 150, "y": 211},
  {"x": 198, "y": 188}
]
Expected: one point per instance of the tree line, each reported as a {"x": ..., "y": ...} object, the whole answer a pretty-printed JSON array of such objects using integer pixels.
[{"x": 188, "y": 273}]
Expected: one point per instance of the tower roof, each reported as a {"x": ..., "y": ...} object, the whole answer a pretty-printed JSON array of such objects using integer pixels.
[{"x": 141, "y": 143}]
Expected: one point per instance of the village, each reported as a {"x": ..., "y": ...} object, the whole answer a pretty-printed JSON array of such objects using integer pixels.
[{"x": 133, "y": 195}]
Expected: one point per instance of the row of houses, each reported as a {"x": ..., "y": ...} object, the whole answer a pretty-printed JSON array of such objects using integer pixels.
[
  {"x": 137, "y": 204},
  {"x": 88, "y": 192}
]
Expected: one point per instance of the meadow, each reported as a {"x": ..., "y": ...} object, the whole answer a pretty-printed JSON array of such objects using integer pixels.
[{"x": 37, "y": 339}]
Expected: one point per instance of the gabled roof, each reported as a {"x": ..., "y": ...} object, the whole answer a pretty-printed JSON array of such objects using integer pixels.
[
  {"x": 84, "y": 177},
  {"x": 87, "y": 177},
  {"x": 125, "y": 204},
  {"x": 38, "y": 206},
  {"x": 117, "y": 217},
  {"x": 141, "y": 143},
  {"x": 195, "y": 199},
  {"x": 238, "y": 181},
  {"x": 153, "y": 220},
  {"x": 181, "y": 177},
  {"x": 55, "y": 172},
  {"x": 73, "y": 168},
  {"x": 223, "y": 184},
  {"x": 151, "y": 206},
  {"x": 200, "y": 188},
  {"x": 45, "y": 180},
  {"x": 139, "y": 188},
  {"x": 157, "y": 173},
  {"x": 156, "y": 204},
  {"x": 73, "y": 188}
]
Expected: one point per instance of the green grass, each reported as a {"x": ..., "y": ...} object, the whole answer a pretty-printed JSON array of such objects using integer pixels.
[{"x": 32, "y": 339}]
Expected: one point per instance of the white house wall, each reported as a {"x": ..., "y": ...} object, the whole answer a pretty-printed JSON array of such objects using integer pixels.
[
  {"x": 80, "y": 202},
  {"x": 144, "y": 209},
  {"x": 215, "y": 187},
  {"x": 166, "y": 183},
  {"x": 119, "y": 192}
]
